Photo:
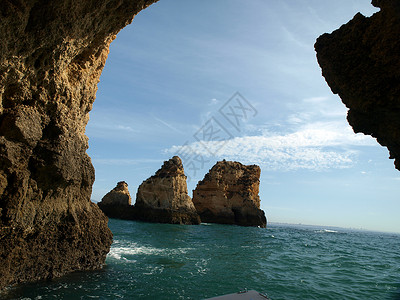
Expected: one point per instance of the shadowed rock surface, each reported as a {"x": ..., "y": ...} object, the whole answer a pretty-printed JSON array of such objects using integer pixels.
[
  {"x": 51, "y": 57},
  {"x": 228, "y": 194},
  {"x": 361, "y": 63},
  {"x": 164, "y": 198}
]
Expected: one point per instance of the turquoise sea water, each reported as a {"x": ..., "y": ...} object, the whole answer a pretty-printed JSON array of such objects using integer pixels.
[{"x": 161, "y": 261}]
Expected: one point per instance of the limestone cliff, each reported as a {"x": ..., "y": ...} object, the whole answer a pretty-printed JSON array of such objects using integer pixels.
[
  {"x": 164, "y": 197},
  {"x": 228, "y": 194},
  {"x": 51, "y": 57},
  {"x": 361, "y": 63}
]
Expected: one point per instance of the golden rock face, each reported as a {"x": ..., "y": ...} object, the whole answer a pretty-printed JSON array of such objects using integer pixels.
[
  {"x": 118, "y": 195},
  {"x": 51, "y": 56},
  {"x": 228, "y": 194},
  {"x": 167, "y": 190}
]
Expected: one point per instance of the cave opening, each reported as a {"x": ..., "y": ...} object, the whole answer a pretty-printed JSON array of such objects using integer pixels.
[
  {"x": 170, "y": 72},
  {"x": 226, "y": 81}
]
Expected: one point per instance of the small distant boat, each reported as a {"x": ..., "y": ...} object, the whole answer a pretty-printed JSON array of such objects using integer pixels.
[{"x": 242, "y": 295}]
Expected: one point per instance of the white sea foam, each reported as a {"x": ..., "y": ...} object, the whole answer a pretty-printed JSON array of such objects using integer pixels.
[
  {"x": 326, "y": 231},
  {"x": 120, "y": 252},
  {"x": 154, "y": 270},
  {"x": 202, "y": 266}
]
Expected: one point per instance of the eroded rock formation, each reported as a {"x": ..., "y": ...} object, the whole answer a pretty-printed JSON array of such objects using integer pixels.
[
  {"x": 361, "y": 63},
  {"x": 51, "y": 57},
  {"x": 118, "y": 195},
  {"x": 228, "y": 194},
  {"x": 117, "y": 203},
  {"x": 164, "y": 197}
]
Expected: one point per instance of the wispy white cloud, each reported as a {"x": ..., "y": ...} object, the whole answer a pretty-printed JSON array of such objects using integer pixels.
[
  {"x": 111, "y": 127},
  {"x": 313, "y": 136},
  {"x": 167, "y": 125},
  {"x": 111, "y": 123},
  {"x": 298, "y": 118},
  {"x": 213, "y": 101},
  {"x": 318, "y": 99},
  {"x": 125, "y": 128},
  {"x": 314, "y": 109},
  {"x": 317, "y": 146},
  {"x": 292, "y": 38}
]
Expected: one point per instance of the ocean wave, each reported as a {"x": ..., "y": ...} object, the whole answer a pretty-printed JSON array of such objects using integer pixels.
[
  {"x": 121, "y": 252},
  {"x": 151, "y": 270},
  {"x": 202, "y": 266},
  {"x": 148, "y": 262},
  {"x": 326, "y": 231}
]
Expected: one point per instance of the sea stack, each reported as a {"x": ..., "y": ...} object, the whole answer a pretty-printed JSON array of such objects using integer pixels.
[
  {"x": 163, "y": 198},
  {"x": 118, "y": 195},
  {"x": 228, "y": 194},
  {"x": 117, "y": 202}
]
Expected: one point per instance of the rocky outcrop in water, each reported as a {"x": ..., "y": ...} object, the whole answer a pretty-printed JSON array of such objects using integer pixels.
[
  {"x": 228, "y": 194},
  {"x": 117, "y": 203},
  {"x": 51, "y": 57},
  {"x": 118, "y": 195},
  {"x": 164, "y": 198},
  {"x": 361, "y": 63}
]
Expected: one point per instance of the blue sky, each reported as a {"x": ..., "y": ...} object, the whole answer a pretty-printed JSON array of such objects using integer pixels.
[{"x": 173, "y": 74}]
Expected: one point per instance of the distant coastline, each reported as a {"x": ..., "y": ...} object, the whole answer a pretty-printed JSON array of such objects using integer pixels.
[{"x": 331, "y": 227}]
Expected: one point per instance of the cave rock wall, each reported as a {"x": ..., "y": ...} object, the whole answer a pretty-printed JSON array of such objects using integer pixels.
[
  {"x": 51, "y": 57},
  {"x": 361, "y": 63}
]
